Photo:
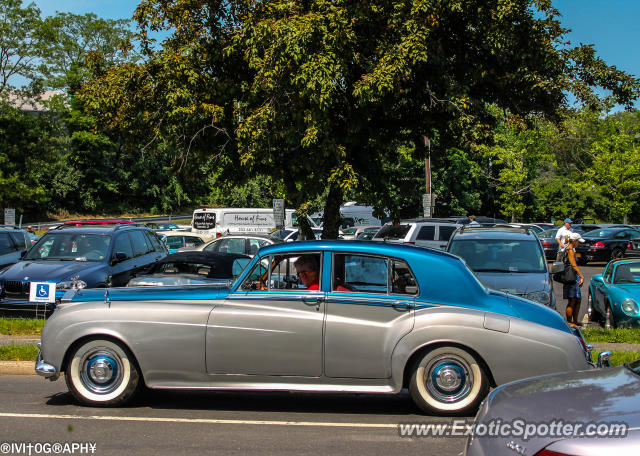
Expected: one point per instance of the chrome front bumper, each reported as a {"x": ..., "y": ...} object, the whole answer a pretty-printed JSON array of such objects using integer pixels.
[{"x": 45, "y": 370}]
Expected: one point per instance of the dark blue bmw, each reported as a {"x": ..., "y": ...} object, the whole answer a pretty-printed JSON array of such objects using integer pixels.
[{"x": 78, "y": 256}]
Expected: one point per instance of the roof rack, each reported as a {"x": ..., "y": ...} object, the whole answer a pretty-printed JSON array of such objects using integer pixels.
[{"x": 117, "y": 224}]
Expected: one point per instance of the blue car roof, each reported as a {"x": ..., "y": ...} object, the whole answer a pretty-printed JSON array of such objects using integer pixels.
[{"x": 371, "y": 247}]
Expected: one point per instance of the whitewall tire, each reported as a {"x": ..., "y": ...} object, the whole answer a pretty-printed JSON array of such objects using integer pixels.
[{"x": 102, "y": 373}]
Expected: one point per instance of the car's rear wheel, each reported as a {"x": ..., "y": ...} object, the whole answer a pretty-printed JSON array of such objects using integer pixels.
[
  {"x": 617, "y": 253},
  {"x": 448, "y": 381},
  {"x": 594, "y": 315},
  {"x": 102, "y": 373},
  {"x": 609, "y": 318}
]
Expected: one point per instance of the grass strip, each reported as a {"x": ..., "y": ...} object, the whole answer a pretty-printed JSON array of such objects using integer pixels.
[
  {"x": 613, "y": 336},
  {"x": 21, "y": 326},
  {"x": 18, "y": 352}
]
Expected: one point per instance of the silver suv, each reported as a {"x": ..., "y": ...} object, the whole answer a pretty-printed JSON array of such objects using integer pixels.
[
  {"x": 431, "y": 233},
  {"x": 13, "y": 243},
  {"x": 507, "y": 259}
]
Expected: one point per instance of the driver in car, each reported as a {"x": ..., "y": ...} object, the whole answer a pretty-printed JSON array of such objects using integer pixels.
[{"x": 308, "y": 270}]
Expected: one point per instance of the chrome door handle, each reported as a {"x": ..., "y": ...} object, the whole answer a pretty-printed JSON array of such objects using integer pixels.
[
  {"x": 313, "y": 301},
  {"x": 402, "y": 305}
]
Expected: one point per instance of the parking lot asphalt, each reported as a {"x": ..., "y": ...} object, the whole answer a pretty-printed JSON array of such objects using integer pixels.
[{"x": 227, "y": 423}]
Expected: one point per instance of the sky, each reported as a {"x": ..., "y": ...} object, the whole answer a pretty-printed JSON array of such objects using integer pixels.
[{"x": 610, "y": 25}]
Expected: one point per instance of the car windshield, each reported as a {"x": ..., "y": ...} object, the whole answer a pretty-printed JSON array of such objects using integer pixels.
[
  {"x": 602, "y": 233},
  {"x": 499, "y": 255},
  {"x": 393, "y": 232},
  {"x": 70, "y": 246},
  {"x": 627, "y": 273}
]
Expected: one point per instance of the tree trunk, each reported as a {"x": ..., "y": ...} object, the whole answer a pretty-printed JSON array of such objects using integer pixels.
[{"x": 332, "y": 219}]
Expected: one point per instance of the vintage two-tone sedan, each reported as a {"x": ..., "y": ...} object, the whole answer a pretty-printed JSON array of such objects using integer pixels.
[{"x": 329, "y": 316}]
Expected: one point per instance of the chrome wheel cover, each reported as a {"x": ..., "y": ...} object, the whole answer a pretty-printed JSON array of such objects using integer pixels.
[
  {"x": 101, "y": 370},
  {"x": 448, "y": 378}
]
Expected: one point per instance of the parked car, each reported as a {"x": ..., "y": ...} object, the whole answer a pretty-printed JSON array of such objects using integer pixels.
[
  {"x": 614, "y": 295},
  {"x": 549, "y": 243},
  {"x": 600, "y": 407},
  {"x": 382, "y": 317},
  {"x": 507, "y": 259},
  {"x": 165, "y": 226},
  {"x": 14, "y": 243},
  {"x": 431, "y": 233},
  {"x": 292, "y": 235},
  {"x": 583, "y": 228},
  {"x": 354, "y": 231},
  {"x": 535, "y": 228},
  {"x": 247, "y": 244},
  {"x": 192, "y": 268},
  {"x": 366, "y": 236},
  {"x": 183, "y": 240},
  {"x": 604, "y": 244},
  {"x": 73, "y": 257}
]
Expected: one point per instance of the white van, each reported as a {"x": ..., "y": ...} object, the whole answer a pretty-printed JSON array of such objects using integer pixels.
[{"x": 216, "y": 222}]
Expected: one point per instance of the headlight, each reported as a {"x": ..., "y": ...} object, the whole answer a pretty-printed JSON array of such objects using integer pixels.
[
  {"x": 629, "y": 307},
  {"x": 71, "y": 284},
  {"x": 543, "y": 297}
]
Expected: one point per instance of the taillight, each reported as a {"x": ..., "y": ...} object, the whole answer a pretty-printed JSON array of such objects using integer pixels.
[
  {"x": 598, "y": 245},
  {"x": 544, "y": 452},
  {"x": 218, "y": 235},
  {"x": 412, "y": 243},
  {"x": 629, "y": 245},
  {"x": 545, "y": 244}
]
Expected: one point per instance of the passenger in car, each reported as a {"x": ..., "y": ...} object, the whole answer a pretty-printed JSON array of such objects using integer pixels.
[{"x": 308, "y": 270}]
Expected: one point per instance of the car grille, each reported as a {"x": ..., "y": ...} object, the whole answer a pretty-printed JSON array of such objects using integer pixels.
[{"x": 16, "y": 289}]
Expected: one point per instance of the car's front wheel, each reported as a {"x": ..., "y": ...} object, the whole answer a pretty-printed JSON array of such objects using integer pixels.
[
  {"x": 448, "y": 381},
  {"x": 102, "y": 373}
]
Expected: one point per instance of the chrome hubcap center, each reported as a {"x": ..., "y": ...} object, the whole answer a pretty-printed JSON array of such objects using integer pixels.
[
  {"x": 448, "y": 379},
  {"x": 101, "y": 371}
]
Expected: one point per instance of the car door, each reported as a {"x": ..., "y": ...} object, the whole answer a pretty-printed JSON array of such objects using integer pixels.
[
  {"x": 121, "y": 271},
  {"x": 269, "y": 325},
  {"x": 600, "y": 288},
  {"x": 369, "y": 309}
]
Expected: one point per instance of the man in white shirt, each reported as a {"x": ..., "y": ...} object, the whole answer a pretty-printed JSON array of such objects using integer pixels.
[{"x": 562, "y": 236}]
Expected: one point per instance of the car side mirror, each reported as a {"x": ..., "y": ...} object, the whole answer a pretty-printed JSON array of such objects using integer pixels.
[
  {"x": 557, "y": 266},
  {"x": 119, "y": 257}
]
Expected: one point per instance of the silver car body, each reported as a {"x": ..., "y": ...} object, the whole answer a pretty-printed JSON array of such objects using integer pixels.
[
  {"x": 599, "y": 396},
  {"x": 219, "y": 338}
]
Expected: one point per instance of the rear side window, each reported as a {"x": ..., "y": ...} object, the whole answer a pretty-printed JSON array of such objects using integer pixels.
[
  {"x": 175, "y": 242},
  {"x": 139, "y": 243},
  {"x": 123, "y": 244},
  {"x": 426, "y": 233},
  {"x": 20, "y": 240},
  {"x": 192, "y": 241},
  {"x": 360, "y": 273},
  {"x": 233, "y": 245},
  {"x": 445, "y": 232},
  {"x": 155, "y": 242},
  {"x": 393, "y": 232}
]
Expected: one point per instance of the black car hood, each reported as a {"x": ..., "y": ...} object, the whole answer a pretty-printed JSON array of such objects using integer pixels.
[{"x": 49, "y": 270}]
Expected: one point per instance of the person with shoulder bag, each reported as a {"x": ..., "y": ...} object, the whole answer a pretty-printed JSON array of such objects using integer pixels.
[{"x": 571, "y": 290}]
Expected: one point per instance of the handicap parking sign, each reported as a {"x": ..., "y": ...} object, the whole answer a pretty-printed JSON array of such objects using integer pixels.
[{"x": 42, "y": 292}]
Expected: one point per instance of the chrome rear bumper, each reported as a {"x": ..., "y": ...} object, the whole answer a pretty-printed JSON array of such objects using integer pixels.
[{"x": 45, "y": 370}]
